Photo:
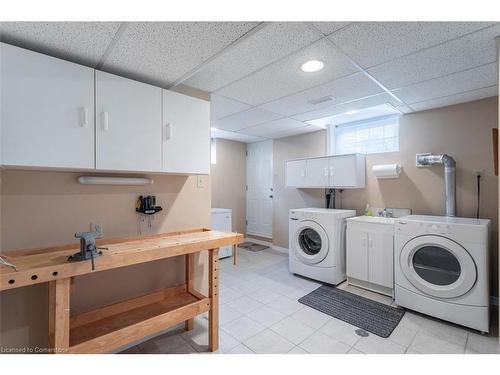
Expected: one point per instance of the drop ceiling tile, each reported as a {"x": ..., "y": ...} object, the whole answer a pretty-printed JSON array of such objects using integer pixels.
[
  {"x": 348, "y": 106},
  {"x": 472, "y": 79},
  {"x": 265, "y": 129},
  {"x": 372, "y": 43},
  {"x": 161, "y": 52},
  {"x": 454, "y": 56},
  {"x": 329, "y": 27},
  {"x": 296, "y": 131},
  {"x": 245, "y": 119},
  {"x": 381, "y": 110},
  {"x": 234, "y": 136},
  {"x": 221, "y": 107},
  {"x": 80, "y": 42},
  {"x": 343, "y": 89},
  {"x": 272, "y": 42},
  {"x": 285, "y": 76},
  {"x": 456, "y": 99}
]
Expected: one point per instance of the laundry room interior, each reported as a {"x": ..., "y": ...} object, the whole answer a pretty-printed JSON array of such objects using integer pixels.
[{"x": 287, "y": 187}]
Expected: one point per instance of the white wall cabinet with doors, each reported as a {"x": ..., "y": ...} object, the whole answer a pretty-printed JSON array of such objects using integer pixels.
[
  {"x": 222, "y": 220},
  {"x": 185, "y": 134},
  {"x": 338, "y": 171},
  {"x": 129, "y": 119},
  {"x": 369, "y": 253},
  {"x": 47, "y": 111},
  {"x": 48, "y": 119}
]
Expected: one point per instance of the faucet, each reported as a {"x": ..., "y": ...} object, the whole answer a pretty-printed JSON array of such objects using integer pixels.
[{"x": 385, "y": 213}]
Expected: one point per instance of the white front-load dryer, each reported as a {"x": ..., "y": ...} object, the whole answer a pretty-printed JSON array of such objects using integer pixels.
[
  {"x": 441, "y": 268},
  {"x": 317, "y": 243}
]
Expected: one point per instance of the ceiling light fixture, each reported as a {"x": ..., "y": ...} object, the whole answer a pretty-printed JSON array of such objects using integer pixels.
[
  {"x": 351, "y": 112},
  {"x": 214, "y": 129},
  {"x": 312, "y": 66}
]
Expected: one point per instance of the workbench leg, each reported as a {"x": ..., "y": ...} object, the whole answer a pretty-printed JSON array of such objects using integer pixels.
[
  {"x": 189, "y": 324},
  {"x": 235, "y": 254},
  {"x": 59, "y": 305},
  {"x": 213, "y": 315}
]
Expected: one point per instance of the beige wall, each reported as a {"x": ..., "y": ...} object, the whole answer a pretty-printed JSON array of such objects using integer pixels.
[
  {"x": 228, "y": 178},
  {"x": 307, "y": 145},
  {"x": 47, "y": 208},
  {"x": 463, "y": 131}
]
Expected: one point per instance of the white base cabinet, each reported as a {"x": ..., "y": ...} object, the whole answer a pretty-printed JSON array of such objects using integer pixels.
[
  {"x": 338, "y": 171},
  {"x": 46, "y": 111},
  {"x": 222, "y": 220},
  {"x": 369, "y": 255}
]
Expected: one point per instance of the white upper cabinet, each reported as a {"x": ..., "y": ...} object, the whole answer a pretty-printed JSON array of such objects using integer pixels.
[
  {"x": 128, "y": 124},
  {"x": 339, "y": 171},
  {"x": 47, "y": 111},
  {"x": 296, "y": 173},
  {"x": 185, "y": 134}
]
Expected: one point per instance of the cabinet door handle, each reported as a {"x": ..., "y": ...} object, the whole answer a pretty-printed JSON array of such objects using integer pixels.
[
  {"x": 332, "y": 171},
  {"x": 326, "y": 171},
  {"x": 105, "y": 121},
  {"x": 167, "y": 132},
  {"x": 85, "y": 117}
]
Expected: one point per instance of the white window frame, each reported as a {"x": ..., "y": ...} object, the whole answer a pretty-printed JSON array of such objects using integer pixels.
[{"x": 332, "y": 133}]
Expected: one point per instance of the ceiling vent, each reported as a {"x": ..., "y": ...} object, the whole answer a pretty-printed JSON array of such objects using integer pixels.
[{"x": 324, "y": 99}]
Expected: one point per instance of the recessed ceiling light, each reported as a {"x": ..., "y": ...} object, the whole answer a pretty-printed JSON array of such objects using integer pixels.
[
  {"x": 351, "y": 112},
  {"x": 312, "y": 66},
  {"x": 214, "y": 129}
]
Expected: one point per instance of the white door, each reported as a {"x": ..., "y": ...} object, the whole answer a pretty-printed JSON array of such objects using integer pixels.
[
  {"x": 357, "y": 254},
  {"x": 128, "y": 115},
  {"x": 380, "y": 256},
  {"x": 295, "y": 173},
  {"x": 47, "y": 110},
  {"x": 343, "y": 171},
  {"x": 186, "y": 134},
  {"x": 317, "y": 172},
  {"x": 260, "y": 188}
]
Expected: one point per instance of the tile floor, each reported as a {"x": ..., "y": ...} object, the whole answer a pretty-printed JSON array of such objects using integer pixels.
[{"x": 259, "y": 313}]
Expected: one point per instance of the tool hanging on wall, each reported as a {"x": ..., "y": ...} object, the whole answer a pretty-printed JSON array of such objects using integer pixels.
[
  {"x": 5, "y": 262},
  {"x": 88, "y": 248},
  {"x": 147, "y": 206}
]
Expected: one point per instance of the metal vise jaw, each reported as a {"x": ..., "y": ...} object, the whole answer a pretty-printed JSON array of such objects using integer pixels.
[{"x": 88, "y": 248}]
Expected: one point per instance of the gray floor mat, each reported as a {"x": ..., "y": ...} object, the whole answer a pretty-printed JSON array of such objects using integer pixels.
[
  {"x": 372, "y": 316},
  {"x": 252, "y": 246}
]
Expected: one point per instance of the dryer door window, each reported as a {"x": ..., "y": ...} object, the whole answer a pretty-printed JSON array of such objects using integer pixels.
[
  {"x": 310, "y": 241},
  {"x": 438, "y": 266}
]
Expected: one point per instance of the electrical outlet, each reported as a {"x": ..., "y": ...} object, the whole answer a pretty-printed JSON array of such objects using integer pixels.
[
  {"x": 200, "y": 182},
  {"x": 479, "y": 172},
  {"x": 95, "y": 227}
]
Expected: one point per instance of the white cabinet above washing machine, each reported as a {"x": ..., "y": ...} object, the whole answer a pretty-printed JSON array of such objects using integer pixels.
[{"x": 338, "y": 171}]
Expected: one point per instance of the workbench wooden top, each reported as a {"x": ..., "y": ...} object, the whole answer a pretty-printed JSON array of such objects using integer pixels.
[{"x": 48, "y": 264}]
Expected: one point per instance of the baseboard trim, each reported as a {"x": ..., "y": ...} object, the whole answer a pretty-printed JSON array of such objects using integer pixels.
[{"x": 280, "y": 249}]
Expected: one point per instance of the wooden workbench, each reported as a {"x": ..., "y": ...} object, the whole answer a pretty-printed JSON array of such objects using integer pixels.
[{"x": 111, "y": 327}]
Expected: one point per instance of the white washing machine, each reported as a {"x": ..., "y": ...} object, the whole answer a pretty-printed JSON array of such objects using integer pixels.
[
  {"x": 317, "y": 243},
  {"x": 441, "y": 268}
]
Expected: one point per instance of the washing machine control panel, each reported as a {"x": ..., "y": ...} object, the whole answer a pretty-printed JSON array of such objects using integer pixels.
[
  {"x": 466, "y": 233},
  {"x": 424, "y": 228}
]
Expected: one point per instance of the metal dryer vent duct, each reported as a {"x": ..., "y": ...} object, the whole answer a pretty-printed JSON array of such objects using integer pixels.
[{"x": 427, "y": 160}]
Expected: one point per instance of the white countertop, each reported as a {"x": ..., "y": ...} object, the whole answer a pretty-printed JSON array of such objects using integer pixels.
[{"x": 373, "y": 219}]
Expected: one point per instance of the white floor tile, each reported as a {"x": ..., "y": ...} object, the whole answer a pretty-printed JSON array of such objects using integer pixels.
[
  {"x": 311, "y": 317},
  {"x": 227, "y": 294},
  {"x": 341, "y": 331},
  {"x": 240, "y": 349},
  {"x": 444, "y": 331},
  {"x": 297, "y": 350},
  {"x": 378, "y": 297},
  {"x": 246, "y": 287},
  {"x": 243, "y": 328},
  {"x": 292, "y": 330},
  {"x": 477, "y": 343},
  {"x": 266, "y": 316},
  {"x": 227, "y": 314},
  {"x": 268, "y": 342},
  {"x": 285, "y": 305},
  {"x": 403, "y": 335},
  {"x": 374, "y": 344},
  {"x": 319, "y": 343},
  {"x": 428, "y": 344},
  {"x": 354, "y": 351},
  {"x": 244, "y": 305},
  {"x": 264, "y": 295}
]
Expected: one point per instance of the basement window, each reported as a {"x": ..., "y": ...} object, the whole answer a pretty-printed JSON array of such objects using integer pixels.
[
  {"x": 213, "y": 151},
  {"x": 366, "y": 137}
]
